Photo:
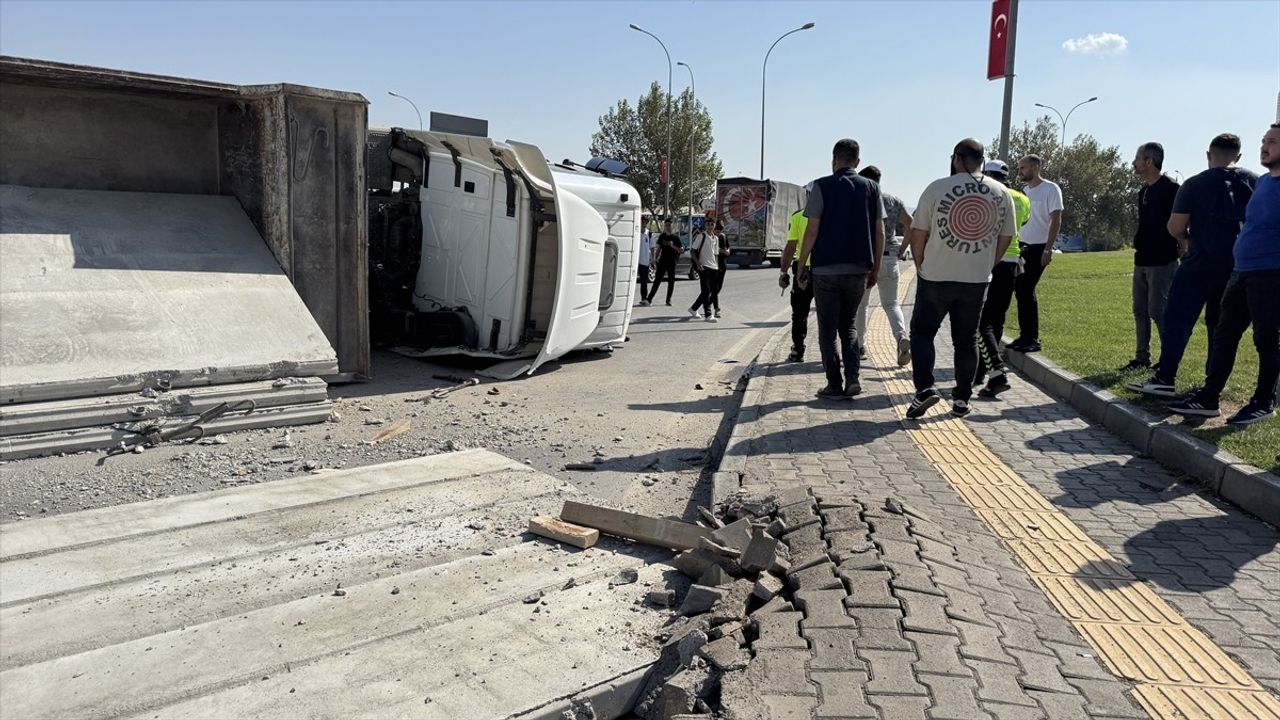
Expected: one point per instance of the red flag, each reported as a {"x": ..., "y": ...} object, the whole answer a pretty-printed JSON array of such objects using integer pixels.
[
  {"x": 664, "y": 168},
  {"x": 999, "y": 47}
]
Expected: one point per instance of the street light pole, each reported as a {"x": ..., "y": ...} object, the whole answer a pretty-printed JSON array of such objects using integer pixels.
[
  {"x": 666, "y": 184},
  {"x": 1068, "y": 117},
  {"x": 693, "y": 104},
  {"x": 415, "y": 107},
  {"x": 764, "y": 75}
]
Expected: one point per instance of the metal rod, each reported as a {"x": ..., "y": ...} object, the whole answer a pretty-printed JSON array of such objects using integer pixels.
[
  {"x": 693, "y": 106},
  {"x": 415, "y": 107},
  {"x": 764, "y": 75},
  {"x": 666, "y": 184}
]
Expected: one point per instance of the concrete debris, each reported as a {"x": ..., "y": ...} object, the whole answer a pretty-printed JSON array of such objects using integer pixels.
[
  {"x": 710, "y": 518},
  {"x": 714, "y": 576},
  {"x": 569, "y": 533},
  {"x": 624, "y": 577},
  {"x": 672, "y": 534},
  {"x": 725, "y": 654},
  {"x": 760, "y": 554},
  {"x": 700, "y": 599},
  {"x": 533, "y": 597},
  {"x": 394, "y": 430},
  {"x": 579, "y": 709},
  {"x": 716, "y": 548},
  {"x": 766, "y": 587},
  {"x": 660, "y": 598},
  {"x": 736, "y": 535},
  {"x": 689, "y": 646}
]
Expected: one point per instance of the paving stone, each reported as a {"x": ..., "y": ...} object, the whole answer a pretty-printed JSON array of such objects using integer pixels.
[
  {"x": 840, "y": 694},
  {"x": 915, "y": 579},
  {"x": 869, "y": 588},
  {"x": 766, "y": 587},
  {"x": 925, "y": 613},
  {"x": 966, "y": 605},
  {"x": 891, "y": 672},
  {"x": 1040, "y": 672},
  {"x": 725, "y": 654},
  {"x": 998, "y": 682},
  {"x": 779, "y": 630},
  {"x": 780, "y": 672},
  {"x": 981, "y": 642},
  {"x": 844, "y": 519},
  {"x": 1107, "y": 698},
  {"x": 833, "y": 649},
  {"x": 954, "y": 698},
  {"x": 789, "y": 707},
  {"x": 939, "y": 654},
  {"x": 851, "y": 553},
  {"x": 817, "y": 577},
  {"x": 900, "y": 707},
  {"x": 823, "y": 609},
  {"x": 805, "y": 544},
  {"x": 777, "y": 604},
  {"x": 760, "y": 553},
  {"x": 1060, "y": 706},
  {"x": 1004, "y": 711},
  {"x": 797, "y": 515}
]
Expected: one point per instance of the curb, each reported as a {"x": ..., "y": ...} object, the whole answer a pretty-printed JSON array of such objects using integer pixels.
[
  {"x": 727, "y": 478},
  {"x": 1251, "y": 489}
]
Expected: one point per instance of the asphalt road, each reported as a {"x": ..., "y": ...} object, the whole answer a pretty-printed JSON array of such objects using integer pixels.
[{"x": 642, "y": 416}]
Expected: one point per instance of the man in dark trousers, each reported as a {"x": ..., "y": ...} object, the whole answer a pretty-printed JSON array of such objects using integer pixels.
[
  {"x": 843, "y": 246},
  {"x": 1250, "y": 298},
  {"x": 646, "y": 253},
  {"x": 669, "y": 249},
  {"x": 1207, "y": 212},
  {"x": 1155, "y": 251},
  {"x": 801, "y": 297}
]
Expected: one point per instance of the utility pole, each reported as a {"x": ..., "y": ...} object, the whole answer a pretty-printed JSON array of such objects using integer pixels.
[
  {"x": 693, "y": 115},
  {"x": 666, "y": 181},
  {"x": 1007, "y": 114},
  {"x": 764, "y": 75}
]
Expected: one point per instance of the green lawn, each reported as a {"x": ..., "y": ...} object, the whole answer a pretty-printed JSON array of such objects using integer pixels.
[{"x": 1087, "y": 327}]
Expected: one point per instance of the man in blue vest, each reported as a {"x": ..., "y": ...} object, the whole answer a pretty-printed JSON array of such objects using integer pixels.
[{"x": 843, "y": 245}]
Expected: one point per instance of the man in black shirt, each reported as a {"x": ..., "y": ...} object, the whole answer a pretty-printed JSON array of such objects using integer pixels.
[
  {"x": 1155, "y": 251},
  {"x": 669, "y": 249}
]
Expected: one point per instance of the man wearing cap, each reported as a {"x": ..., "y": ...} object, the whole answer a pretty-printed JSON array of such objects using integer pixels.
[
  {"x": 999, "y": 293},
  {"x": 962, "y": 227},
  {"x": 845, "y": 240},
  {"x": 801, "y": 297}
]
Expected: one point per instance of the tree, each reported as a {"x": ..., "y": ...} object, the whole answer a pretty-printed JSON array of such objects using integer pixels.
[
  {"x": 1098, "y": 186},
  {"x": 637, "y": 135}
]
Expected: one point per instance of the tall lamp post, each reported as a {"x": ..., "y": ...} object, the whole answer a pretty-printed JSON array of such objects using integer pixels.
[
  {"x": 693, "y": 104},
  {"x": 666, "y": 183},
  {"x": 415, "y": 107},
  {"x": 1068, "y": 117},
  {"x": 764, "y": 75}
]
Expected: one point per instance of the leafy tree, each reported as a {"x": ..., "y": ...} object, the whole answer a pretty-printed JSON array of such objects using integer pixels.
[
  {"x": 637, "y": 135},
  {"x": 1098, "y": 185}
]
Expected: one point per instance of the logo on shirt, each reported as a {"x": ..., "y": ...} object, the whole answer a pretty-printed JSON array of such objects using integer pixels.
[{"x": 968, "y": 217}]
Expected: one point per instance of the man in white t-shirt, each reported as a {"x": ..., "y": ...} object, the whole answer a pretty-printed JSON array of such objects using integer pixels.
[
  {"x": 705, "y": 247},
  {"x": 962, "y": 226},
  {"x": 646, "y": 254},
  {"x": 1038, "y": 237}
]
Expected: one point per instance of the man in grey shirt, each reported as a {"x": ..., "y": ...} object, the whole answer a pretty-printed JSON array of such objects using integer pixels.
[{"x": 895, "y": 217}]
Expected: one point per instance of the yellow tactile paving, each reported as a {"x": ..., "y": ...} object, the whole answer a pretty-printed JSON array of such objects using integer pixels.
[{"x": 1179, "y": 673}]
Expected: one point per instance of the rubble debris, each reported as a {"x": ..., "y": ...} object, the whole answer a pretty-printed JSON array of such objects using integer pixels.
[
  {"x": 700, "y": 599},
  {"x": 579, "y": 708},
  {"x": 712, "y": 546},
  {"x": 710, "y": 518},
  {"x": 725, "y": 654},
  {"x": 533, "y": 597},
  {"x": 672, "y": 534},
  {"x": 581, "y": 467},
  {"x": 766, "y": 587},
  {"x": 760, "y": 554},
  {"x": 565, "y": 532},
  {"x": 689, "y": 645},
  {"x": 714, "y": 576},
  {"x": 394, "y": 430},
  {"x": 660, "y": 598},
  {"x": 625, "y": 576},
  {"x": 284, "y": 442}
]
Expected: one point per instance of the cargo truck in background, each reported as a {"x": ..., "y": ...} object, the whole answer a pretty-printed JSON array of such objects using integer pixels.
[{"x": 755, "y": 215}]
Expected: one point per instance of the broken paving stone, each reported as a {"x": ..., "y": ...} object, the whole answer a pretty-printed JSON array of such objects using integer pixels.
[
  {"x": 719, "y": 549},
  {"x": 766, "y": 587},
  {"x": 689, "y": 646},
  {"x": 732, "y": 605},
  {"x": 661, "y": 598},
  {"x": 710, "y": 518},
  {"x": 714, "y": 576},
  {"x": 700, "y": 599},
  {"x": 624, "y": 577},
  {"x": 735, "y": 535},
  {"x": 777, "y": 604},
  {"x": 724, "y": 654},
  {"x": 532, "y": 597},
  {"x": 694, "y": 562},
  {"x": 760, "y": 554}
]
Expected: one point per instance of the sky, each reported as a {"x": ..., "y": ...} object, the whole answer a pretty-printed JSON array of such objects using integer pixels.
[{"x": 906, "y": 79}]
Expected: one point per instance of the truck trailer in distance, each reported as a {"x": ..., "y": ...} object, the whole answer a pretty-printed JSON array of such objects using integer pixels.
[{"x": 755, "y": 215}]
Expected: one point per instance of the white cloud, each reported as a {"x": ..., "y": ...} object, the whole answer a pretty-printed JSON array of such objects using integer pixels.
[{"x": 1097, "y": 44}]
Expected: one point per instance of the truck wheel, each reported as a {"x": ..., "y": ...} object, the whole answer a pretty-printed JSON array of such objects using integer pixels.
[
  {"x": 776, "y": 262},
  {"x": 744, "y": 263}
]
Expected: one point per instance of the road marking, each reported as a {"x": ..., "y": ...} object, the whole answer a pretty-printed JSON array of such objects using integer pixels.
[{"x": 1179, "y": 673}]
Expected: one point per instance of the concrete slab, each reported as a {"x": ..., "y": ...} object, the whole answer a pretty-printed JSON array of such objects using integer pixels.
[
  {"x": 106, "y": 292},
  {"x": 224, "y": 604}
]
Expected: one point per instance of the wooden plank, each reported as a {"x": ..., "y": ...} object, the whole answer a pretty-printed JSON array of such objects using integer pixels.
[
  {"x": 671, "y": 534},
  {"x": 556, "y": 529}
]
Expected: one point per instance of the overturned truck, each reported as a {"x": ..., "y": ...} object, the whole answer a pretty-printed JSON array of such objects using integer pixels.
[{"x": 180, "y": 257}]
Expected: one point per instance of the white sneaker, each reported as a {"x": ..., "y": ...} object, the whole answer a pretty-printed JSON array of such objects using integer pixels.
[
  {"x": 693, "y": 313},
  {"x": 717, "y": 313},
  {"x": 710, "y": 318},
  {"x": 644, "y": 303},
  {"x": 904, "y": 352}
]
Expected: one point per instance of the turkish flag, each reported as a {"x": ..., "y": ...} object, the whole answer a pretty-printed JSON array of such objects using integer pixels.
[{"x": 999, "y": 47}]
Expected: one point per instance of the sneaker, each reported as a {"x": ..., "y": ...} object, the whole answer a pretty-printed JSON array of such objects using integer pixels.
[
  {"x": 1252, "y": 413},
  {"x": 717, "y": 313},
  {"x": 862, "y": 352},
  {"x": 904, "y": 352},
  {"x": 1135, "y": 364},
  {"x": 996, "y": 385},
  {"x": 693, "y": 313},
  {"x": 1024, "y": 346},
  {"x": 852, "y": 388},
  {"x": 830, "y": 393},
  {"x": 960, "y": 408},
  {"x": 1155, "y": 387},
  {"x": 668, "y": 303},
  {"x": 796, "y": 356},
  {"x": 710, "y": 318},
  {"x": 644, "y": 303},
  {"x": 1195, "y": 407},
  {"x": 921, "y": 403}
]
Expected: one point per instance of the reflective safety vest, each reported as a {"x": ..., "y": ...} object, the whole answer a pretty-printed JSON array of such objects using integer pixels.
[
  {"x": 795, "y": 231},
  {"x": 1021, "y": 213}
]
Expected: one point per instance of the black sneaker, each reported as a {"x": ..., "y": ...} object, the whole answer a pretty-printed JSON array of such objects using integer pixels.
[
  {"x": 852, "y": 388},
  {"x": 996, "y": 385},
  {"x": 1135, "y": 364},
  {"x": 795, "y": 356},
  {"x": 960, "y": 408},
  {"x": 1018, "y": 345},
  {"x": 1195, "y": 407},
  {"x": 1156, "y": 386},
  {"x": 921, "y": 403},
  {"x": 1252, "y": 413},
  {"x": 830, "y": 393}
]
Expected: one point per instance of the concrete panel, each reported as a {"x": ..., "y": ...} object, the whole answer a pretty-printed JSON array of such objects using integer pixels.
[
  {"x": 227, "y": 607},
  {"x": 105, "y": 292}
]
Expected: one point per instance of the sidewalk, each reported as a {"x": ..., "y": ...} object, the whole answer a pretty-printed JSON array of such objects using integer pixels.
[{"x": 1027, "y": 565}]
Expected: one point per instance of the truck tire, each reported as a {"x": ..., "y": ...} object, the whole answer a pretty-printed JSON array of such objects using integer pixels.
[{"x": 775, "y": 262}]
